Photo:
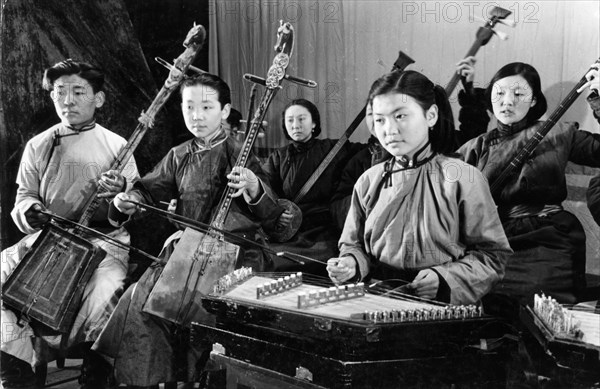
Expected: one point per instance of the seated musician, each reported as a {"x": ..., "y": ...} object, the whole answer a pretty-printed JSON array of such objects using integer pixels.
[
  {"x": 55, "y": 176},
  {"x": 356, "y": 166},
  {"x": 548, "y": 242},
  {"x": 195, "y": 173},
  {"x": 421, "y": 216},
  {"x": 289, "y": 168}
]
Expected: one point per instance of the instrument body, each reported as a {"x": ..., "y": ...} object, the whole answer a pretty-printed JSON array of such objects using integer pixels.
[
  {"x": 575, "y": 360},
  {"x": 50, "y": 291},
  {"x": 339, "y": 349},
  {"x": 199, "y": 259},
  {"x": 283, "y": 236},
  {"x": 72, "y": 268}
]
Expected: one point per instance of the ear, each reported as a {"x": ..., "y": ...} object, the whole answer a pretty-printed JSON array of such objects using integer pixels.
[
  {"x": 432, "y": 115},
  {"x": 533, "y": 101},
  {"x": 99, "y": 98},
  {"x": 225, "y": 111}
]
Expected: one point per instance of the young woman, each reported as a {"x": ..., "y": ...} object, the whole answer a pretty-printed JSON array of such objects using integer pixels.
[
  {"x": 549, "y": 242},
  {"x": 288, "y": 169},
  {"x": 421, "y": 216}
]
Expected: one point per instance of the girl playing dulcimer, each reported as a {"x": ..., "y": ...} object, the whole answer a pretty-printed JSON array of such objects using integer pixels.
[{"x": 421, "y": 216}]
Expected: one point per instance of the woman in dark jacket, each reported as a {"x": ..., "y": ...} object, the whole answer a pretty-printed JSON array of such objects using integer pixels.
[
  {"x": 548, "y": 242},
  {"x": 288, "y": 169}
]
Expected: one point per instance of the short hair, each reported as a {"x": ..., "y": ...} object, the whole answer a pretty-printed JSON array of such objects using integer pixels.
[
  {"x": 532, "y": 77},
  {"x": 426, "y": 93},
  {"x": 93, "y": 75},
  {"x": 312, "y": 109},
  {"x": 210, "y": 80}
]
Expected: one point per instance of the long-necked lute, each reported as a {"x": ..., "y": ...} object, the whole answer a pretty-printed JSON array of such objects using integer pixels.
[
  {"x": 400, "y": 64},
  {"x": 48, "y": 284},
  {"x": 517, "y": 162},
  {"x": 200, "y": 259},
  {"x": 483, "y": 36}
]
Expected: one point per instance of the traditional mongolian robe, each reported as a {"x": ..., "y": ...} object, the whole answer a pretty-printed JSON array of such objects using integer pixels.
[
  {"x": 436, "y": 214},
  {"x": 356, "y": 166},
  {"x": 549, "y": 242},
  {"x": 288, "y": 169},
  {"x": 60, "y": 169},
  {"x": 143, "y": 346}
]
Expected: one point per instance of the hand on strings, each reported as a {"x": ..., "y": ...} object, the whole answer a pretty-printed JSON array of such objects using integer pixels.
[
  {"x": 426, "y": 284},
  {"x": 35, "y": 218},
  {"x": 284, "y": 220},
  {"x": 466, "y": 68},
  {"x": 122, "y": 204},
  {"x": 245, "y": 182},
  {"x": 341, "y": 269},
  {"x": 593, "y": 79},
  {"x": 112, "y": 182}
]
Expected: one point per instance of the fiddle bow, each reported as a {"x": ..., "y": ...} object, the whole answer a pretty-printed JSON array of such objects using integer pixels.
[
  {"x": 66, "y": 258},
  {"x": 180, "y": 301}
]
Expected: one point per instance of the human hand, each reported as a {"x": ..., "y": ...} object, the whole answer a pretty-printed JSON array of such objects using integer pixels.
[
  {"x": 245, "y": 182},
  {"x": 466, "y": 68},
  {"x": 284, "y": 220},
  {"x": 112, "y": 182},
  {"x": 121, "y": 202},
  {"x": 593, "y": 80},
  {"x": 425, "y": 284},
  {"x": 35, "y": 218},
  {"x": 341, "y": 269}
]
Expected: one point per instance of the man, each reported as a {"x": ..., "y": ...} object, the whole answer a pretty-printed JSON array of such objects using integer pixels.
[
  {"x": 195, "y": 173},
  {"x": 59, "y": 171}
]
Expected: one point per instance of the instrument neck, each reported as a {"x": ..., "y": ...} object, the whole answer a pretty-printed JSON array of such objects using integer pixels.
[
  {"x": 535, "y": 140},
  {"x": 242, "y": 159},
  {"x": 193, "y": 43}
]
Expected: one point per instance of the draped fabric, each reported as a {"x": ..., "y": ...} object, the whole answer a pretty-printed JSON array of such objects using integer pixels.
[{"x": 345, "y": 46}]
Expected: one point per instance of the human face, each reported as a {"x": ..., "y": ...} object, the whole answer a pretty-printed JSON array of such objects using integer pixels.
[
  {"x": 74, "y": 100},
  {"x": 512, "y": 97},
  {"x": 298, "y": 123},
  {"x": 202, "y": 111},
  {"x": 401, "y": 125}
]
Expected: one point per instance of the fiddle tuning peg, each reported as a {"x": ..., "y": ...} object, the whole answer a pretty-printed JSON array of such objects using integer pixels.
[
  {"x": 503, "y": 36},
  {"x": 509, "y": 23},
  {"x": 380, "y": 62}
]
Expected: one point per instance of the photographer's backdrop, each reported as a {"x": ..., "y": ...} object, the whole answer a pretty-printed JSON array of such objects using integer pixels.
[{"x": 342, "y": 45}]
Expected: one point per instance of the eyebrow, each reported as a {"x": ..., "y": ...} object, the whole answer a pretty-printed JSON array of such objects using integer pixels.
[{"x": 401, "y": 108}]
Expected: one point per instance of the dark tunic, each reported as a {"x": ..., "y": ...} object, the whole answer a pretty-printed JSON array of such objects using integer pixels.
[
  {"x": 287, "y": 169},
  {"x": 593, "y": 193},
  {"x": 143, "y": 346},
  {"x": 549, "y": 243}
]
